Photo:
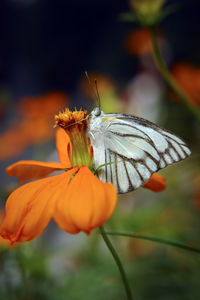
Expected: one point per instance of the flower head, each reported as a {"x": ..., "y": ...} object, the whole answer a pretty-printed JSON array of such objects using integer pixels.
[
  {"x": 147, "y": 7},
  {"x": 188, "y": 76},
  {"x": 148, "y": 12},
  {"x": 76, "y": 199},
  {"x": 138, "y": 42},
  {"x": 75, "y": 125}
]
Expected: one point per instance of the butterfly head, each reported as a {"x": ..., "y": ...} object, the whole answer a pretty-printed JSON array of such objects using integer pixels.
[{"x": 96, "y": 112}]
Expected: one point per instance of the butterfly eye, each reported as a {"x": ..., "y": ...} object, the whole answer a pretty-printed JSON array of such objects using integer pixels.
[{"x": 97, "y": 112}]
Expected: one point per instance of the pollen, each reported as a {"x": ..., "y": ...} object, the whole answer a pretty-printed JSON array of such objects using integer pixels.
[{"x": 68, "y": 118}]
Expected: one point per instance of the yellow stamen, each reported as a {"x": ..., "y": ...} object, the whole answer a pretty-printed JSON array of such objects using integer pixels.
[
  {"x": 75, "y": 124},
  {"x": 67, "y": 118}
]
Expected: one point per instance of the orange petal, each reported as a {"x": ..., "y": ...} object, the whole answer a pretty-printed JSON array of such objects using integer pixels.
[
  {"x": 3, "y": 243},
  {"x": 30, "y": 208},
  {"x": 31, "y": 169},
  {"x": 63, "y": 145},
  {"x": 87, "y": 204},
  {"x": 156, "y": 183}
]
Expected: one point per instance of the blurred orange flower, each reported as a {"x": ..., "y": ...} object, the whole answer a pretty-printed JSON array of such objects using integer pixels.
[
  {"x": 35, "y": 125},
  {"x": 138, "y": 42},
  {"x": 188, "y": 76}
]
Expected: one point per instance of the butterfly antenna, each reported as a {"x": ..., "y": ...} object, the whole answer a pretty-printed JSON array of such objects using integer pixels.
[
  {"x": 97, "y": 93},
  {"x": 78, "y": 121},
  {"x": 94, "y": 91}
]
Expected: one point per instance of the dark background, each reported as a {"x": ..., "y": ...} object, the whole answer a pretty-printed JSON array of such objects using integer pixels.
[{"x": 47, "y": 45}]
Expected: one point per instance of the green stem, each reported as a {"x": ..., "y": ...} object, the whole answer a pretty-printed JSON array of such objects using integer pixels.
[
  {"x": 118, "y": 262},
  {"x": 161, "y": 65},
  {"x": 19, "y": 257},
  {"x": 157, "y": 240}
]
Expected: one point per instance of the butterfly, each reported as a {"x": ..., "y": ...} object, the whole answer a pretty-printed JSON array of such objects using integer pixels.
[{"x": 130, "y": 149}]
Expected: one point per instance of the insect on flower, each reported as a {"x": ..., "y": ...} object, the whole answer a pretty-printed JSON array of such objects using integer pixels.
[
  {"x": 130, "y": 149},
  {"x": 123, "y": 151}
]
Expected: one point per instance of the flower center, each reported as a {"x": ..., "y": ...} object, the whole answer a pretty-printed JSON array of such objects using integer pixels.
[{"x": 75, "y": 125}]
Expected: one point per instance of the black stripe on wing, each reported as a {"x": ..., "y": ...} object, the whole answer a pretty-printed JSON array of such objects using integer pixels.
[
  {"x": 137, "y": 172},
  {"x": 174, "y": 143},
  {"x": 146, "y": 123},
  {"x": 144, "y": 168}
]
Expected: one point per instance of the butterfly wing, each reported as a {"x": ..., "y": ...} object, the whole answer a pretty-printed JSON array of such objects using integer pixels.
[{"x": 137, "y": 148}]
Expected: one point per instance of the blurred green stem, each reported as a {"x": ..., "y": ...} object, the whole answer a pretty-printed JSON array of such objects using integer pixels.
[
  {"x": 118, "y": 262},
  {"x": 157, "y": 240},
  {"x": 19, "y": 256},
  {"x": 161, "y": 65}
]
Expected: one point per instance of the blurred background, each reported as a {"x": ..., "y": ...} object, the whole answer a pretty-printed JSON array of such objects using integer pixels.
[{"x": 46, "y": 46}]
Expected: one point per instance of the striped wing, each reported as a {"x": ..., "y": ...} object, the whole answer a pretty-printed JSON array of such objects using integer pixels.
[{"x": 138, "y": 147}]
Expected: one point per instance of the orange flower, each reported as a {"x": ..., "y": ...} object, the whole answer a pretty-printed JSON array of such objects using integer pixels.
[
  {"x": 35, "y": 125},
  {"x": 188, "y": 76},
  {"x": 138, "y": 42},
  {"x": 3, "y": 243},
  {"x": 156, "y": 183},
  {"x": 76, "y": 199}
]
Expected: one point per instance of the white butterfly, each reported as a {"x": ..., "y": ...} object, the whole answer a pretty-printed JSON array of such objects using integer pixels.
[{"x": 139, "y": 148}]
